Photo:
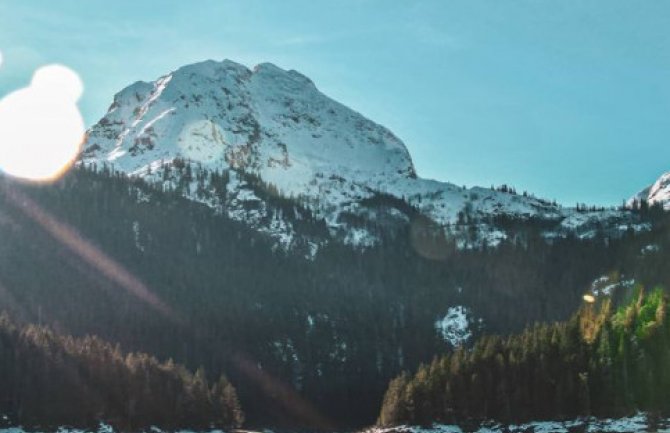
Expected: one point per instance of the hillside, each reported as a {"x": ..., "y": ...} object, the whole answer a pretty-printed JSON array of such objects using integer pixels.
[
  {"x": 158, "y": 273},
  {"x": 608, "y": 360}
]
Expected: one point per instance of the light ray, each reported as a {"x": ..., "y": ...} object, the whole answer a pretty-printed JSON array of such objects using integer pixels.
[
  {"x": 70, "y": 238},
  {"x": 299, "y": 408}
]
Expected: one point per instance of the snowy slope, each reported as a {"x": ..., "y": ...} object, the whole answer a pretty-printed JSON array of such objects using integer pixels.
[
  {"x": 276, "y": 125},
  {"x": 658, "y": 193}
]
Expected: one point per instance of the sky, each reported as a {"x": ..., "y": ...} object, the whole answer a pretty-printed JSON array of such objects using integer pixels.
[{"x": 569, "y": 100}]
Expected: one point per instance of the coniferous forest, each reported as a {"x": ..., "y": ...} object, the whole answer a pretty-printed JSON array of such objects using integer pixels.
[
  {"x": 603, "y": 362},
  {"x": 305, "y": 341},
  {"x": 51, "y": 380}
]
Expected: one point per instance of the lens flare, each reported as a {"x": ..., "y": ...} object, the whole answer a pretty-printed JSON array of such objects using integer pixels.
[{"x": 41, "y": 128}]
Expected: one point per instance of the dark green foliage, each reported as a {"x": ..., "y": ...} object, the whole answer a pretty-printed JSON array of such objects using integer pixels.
[
  {"x": 334, "y": 329},
  {"x": 51, "y": 380},
  {"x": 597, "y": 363}
]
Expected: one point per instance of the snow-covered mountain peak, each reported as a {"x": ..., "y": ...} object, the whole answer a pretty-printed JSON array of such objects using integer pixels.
[
  {"x": 276, "y": 126},
  {"x": 263, "y": 120},
  {"x": 658, "y": 193}
]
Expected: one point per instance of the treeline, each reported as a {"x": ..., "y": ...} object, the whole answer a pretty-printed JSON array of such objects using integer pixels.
[
  {"x": 49, "y": 380},
  {"x": 601, "y": 362}
]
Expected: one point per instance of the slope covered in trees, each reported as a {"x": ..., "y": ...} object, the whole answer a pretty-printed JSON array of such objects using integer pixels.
[
  {"x": 604, "y": 362},
  {"x": 96, "y": 253},
  {"x": 51, "y": 380}
]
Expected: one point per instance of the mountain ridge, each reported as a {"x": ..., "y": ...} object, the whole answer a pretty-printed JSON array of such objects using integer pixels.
[{"x": 275, "y": 124}]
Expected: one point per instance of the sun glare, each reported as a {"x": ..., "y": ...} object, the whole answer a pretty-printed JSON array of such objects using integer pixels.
[{"x": 41, "y": 128}]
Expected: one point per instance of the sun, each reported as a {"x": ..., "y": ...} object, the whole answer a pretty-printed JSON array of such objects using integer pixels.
[{"x": 41, "y": 128}]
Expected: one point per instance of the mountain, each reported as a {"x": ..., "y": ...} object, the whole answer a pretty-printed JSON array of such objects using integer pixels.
[
  {"x": 183, "y": 233},
  {"x": 298, "y": 143},
  {"x": 658, "y": 193}
]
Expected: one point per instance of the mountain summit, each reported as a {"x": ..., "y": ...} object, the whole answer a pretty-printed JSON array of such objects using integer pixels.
[
  {"x": 266, "y": 120},
  {"x": 276, "y": 126}
]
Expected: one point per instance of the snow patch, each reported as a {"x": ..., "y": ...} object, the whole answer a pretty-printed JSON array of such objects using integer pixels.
[
  {"x": 454, "y": 327},
  {"x": 634, "y": 424},
  {"x": 606, "y": 284}
]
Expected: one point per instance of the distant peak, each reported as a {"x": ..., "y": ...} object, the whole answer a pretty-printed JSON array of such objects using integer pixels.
[{"x": 657, "y": 193}]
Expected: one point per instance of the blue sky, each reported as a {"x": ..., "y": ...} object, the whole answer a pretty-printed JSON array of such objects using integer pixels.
[{"x": 567, "y": 99}]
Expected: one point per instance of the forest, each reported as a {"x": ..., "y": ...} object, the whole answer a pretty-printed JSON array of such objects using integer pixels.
[
  {"x": 51, "y": 380},
  {"x": 307, "y": 343},
  {"x": 603, "y": 362}
]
